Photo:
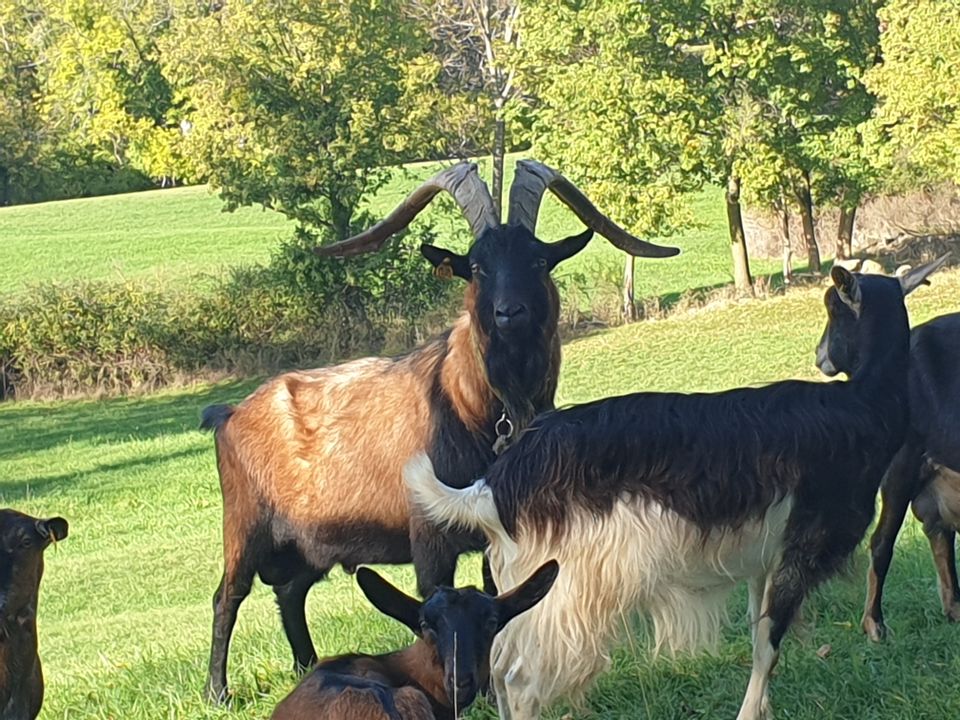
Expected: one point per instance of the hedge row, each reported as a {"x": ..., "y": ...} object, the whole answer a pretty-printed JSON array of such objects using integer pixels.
[{"x": 299, "y": 310}]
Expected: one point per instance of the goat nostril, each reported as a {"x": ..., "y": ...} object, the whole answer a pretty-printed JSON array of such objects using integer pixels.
[{"x": 508, "y": 313}]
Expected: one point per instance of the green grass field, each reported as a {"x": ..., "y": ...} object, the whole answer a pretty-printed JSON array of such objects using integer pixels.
[
  {"x": 177, "y": 236},
  {"x": 125, "y": 606}
]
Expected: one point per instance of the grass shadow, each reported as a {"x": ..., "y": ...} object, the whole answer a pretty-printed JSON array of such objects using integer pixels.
[{"x": 32, "y": 427}]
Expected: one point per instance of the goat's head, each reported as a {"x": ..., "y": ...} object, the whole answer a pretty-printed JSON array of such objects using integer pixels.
[
  {"x": 513, "y": 302},
  {"x": 840, "y": 345},
  {"x": 458, "y": 624},
  {"x": 22, "y": 542}
]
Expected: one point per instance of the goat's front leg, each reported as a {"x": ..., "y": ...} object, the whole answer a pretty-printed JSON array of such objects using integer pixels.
[
  {"x": 899, "y": 487},
  {"x": 434, "y": 556},
  {"x": 756, "y": 702},
  {"x": 757, "y": 587}
]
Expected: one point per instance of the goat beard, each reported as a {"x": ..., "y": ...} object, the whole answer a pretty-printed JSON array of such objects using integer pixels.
[{"x": 523, "y": 376}]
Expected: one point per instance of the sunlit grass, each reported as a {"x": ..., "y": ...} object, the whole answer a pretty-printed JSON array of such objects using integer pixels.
[{"x": 125, "y": 607}]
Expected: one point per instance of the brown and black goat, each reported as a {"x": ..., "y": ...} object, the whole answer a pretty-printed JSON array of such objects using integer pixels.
[
  {"x": 310, "y": 463},
  {"x": 925, "y": 472},
  {"x": 22, "y": 542},
  {"x": 663, "y": 502},
  {"x": 436, "y": 677}
]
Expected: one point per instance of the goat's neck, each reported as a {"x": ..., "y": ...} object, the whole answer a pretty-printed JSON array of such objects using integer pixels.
[
  {"x": 464, "y": 377},
  {"x": 882, "y": 376},
  {"x": 420, "y": 663}
]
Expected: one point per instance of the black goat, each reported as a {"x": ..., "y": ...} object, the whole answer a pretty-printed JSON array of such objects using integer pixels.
[
  {"x": 926, "y": 469},
  {"x": 665, "y": 501},
  {"x": 22, "y": 542},
  {"x": 436, "y": 677},
  {"x": 310, "y": 463}
]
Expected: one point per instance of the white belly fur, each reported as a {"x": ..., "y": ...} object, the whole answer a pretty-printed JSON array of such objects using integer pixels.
[{"x": 639, "y": 557}]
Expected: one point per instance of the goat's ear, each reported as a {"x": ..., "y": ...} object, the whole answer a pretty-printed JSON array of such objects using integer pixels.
[
  {"x": 848, "y": 288},
  {"x": 388, "y": 600},
  {"x": 54, "y": 528},
  {"x": 567, "y": 248},
  {"x": 527, "y": 594},
  {"x": 446, "y": 264},
  {"x": 913, "y": 279}
]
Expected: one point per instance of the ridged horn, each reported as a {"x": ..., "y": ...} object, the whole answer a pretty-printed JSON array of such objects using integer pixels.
[
  {"x": 533, "y": 178},
  {"x": 462, "y": 182}
]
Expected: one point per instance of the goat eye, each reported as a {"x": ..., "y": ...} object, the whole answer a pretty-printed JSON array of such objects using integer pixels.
[
  {"x": 26, "y": 542},
  {"x": 540, "y": 263},
  {"x": 475, "y": 268}
]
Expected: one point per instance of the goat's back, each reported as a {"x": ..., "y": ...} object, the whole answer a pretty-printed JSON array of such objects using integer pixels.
[
  {"x": 331, "y": 696},
  {"x": 716, "y": 459},
  {"x": 312, "y": 444},
  {"x": 935, "y": 387}
]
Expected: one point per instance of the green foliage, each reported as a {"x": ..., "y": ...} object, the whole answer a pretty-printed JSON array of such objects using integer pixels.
[
  {"x": 103, "y": 83},
  {"x": 805, "y": 100},
  {"x": 300, "y": 310},
  {"x": 915, "y": 133},
  {"x": 295, "y": 105},
  {"x": 607, "y": 112},
  {"x": 82, "y": 338}
]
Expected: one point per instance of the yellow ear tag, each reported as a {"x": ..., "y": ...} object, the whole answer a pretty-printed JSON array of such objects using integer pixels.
[{"x": 444, "y": 270}]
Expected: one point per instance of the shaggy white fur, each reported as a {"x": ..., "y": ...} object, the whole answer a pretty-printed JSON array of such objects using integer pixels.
[{"x": 638, "y": 557}]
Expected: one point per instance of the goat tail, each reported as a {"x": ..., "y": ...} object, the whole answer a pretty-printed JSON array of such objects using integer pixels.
[
  {"x": 471, "y": 507},
  {"x": 215, "y": 417}
]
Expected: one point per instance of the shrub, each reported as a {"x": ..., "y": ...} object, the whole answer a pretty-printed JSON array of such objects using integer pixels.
[{"x": 298, "y": 310}]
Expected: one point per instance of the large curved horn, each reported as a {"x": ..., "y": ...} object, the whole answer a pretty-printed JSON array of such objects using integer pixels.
[
  {"x": 533, "y": 178},
  {"x": 461, "y": 181}
]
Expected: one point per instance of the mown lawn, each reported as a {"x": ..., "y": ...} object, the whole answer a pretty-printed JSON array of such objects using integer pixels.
[
  {"x": 179, "y": 236},
  {"x": 125, "y": 611}
]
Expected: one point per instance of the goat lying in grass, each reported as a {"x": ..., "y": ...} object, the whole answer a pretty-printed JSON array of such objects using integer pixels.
[
  {"x": 926, "y": 470},
  {"x": 436, "y": 677},
  {"x": 22, "y": 542},
  {"x": 665, "y": 501}
]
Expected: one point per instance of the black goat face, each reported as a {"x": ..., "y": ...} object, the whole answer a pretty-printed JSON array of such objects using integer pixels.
[
  {"x": 514, "y": 307},
  {"x": 838, "y": 351},
  {"x": 509, "y": 272},
  {"x": 459, "y": 624},
  {"x": 22, "y": 542}
]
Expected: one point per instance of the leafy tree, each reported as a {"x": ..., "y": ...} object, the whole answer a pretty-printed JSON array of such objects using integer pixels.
[
  {"x": 296, "y": 105},
  {"x": 916, "y": 131},
  {"x": 21, "y": 128},
  {"x": 473, "y": 92},
  {"x": 605, "y": 114},
  {"x": 103, "y": 89},
  {"x": 719, "y": 92}
]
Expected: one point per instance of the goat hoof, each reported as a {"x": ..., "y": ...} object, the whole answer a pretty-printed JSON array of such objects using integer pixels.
[
  {"x": 216, "y": 696},
  {"x": 874, "y": 629}
]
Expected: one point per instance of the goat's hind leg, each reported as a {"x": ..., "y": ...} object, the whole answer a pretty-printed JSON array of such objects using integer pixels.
[
  {"x": 942, "y": 540},
  {"x": 234, "y": 587},
  {"x": 899, "y": 487}
]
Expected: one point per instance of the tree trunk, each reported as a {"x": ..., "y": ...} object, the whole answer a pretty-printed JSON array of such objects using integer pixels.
[
  {"x": 784, "y": 210},
  {"x": 629, "y": 301},
  {"x": 805, "y": 197},
  {"x": 738, "y": 240},
  {"x": 340, "y": 216},
  {"x": 498, "y": 153},
  {"x": 845, "y": 232}
]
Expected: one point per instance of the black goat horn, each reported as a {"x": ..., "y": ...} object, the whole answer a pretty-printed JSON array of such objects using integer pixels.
[
  {"x": 462, "y": 182},
  {"x": 533, "y": 178}
]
